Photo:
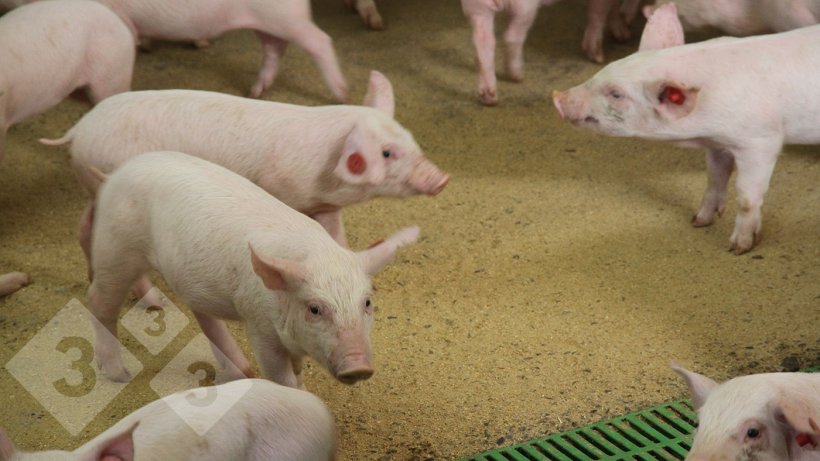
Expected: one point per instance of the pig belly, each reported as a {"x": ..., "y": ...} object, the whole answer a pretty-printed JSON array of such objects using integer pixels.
[{"x": 184, "y": 20}]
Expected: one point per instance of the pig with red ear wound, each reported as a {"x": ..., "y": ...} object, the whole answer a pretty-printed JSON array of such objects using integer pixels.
[
  {"x": 481, "y": 14},
  {"x": 744, "y": 17},
  {"x": 276, "y": 23},
  {"x": 263, "y": 421},
  {"x": 232, "y": 251},
  {"x": 740, "y": 99},
  {"x": 764, "y": 417},
  {"x": 317, "y": 160}
]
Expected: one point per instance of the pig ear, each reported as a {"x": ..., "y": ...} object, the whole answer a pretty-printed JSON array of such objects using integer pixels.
[
  {"x": 361, "y": 161},
  {"x": 800, "y": 412},
  {"x": 375, "y": 258},
  {"x": 380, "y": 93},
  {"x": 7, "y": 449},
  {"x": 663, "y": 28},
  {"x": 118, "y": 447},
  {"x": 276, "y": 273},
  {"x": 699, "y": 386},
  {"x": 673, "y": 100}
]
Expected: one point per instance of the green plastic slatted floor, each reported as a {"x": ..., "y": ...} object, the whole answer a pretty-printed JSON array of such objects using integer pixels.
[{"x": 661, "y": 433}]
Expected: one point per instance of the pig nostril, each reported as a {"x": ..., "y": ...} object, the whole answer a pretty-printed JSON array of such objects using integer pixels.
[{"x": 352, "y": 376}]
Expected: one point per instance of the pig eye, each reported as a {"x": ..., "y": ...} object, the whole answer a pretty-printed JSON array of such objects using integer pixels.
[
  {"x": 753, "y": 433},
  {"x": 315, "y": 309},
  {"x": 386, "y": 153},
  {"x": 615, "y": 94},
  {"x": 367, "y": 303}
]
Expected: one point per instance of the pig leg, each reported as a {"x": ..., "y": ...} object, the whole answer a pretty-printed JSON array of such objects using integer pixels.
[
  {"x": 754, "y": 170},
  {"x": 319, "y": 45},
  {"x": 484, "y": 41},
  {"x": 593, "y": 42},
  {"x": 271, "y": 354},
  {"x": 617, "y": 25},
  {"x": 142, "y": 288},
  {"x": 332, "y": 222},
  {"x": 520, "y": 22},
  {"x": 111, "y": 72},
  {"x": 225, "y": 347},
  {"x": 368, "y": 12},
  {"x": 13, "y": 281},
  {"x": 105, "y": 296},
  {"x": 274, "y": 49},
  {"x": 719, "y": 165}
]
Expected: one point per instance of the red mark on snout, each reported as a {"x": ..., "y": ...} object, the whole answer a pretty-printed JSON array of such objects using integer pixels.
[
  {"x": 804, "y": 439},
  {"x": 673, "y": 95},
  {"x": 356, "y": 163}
]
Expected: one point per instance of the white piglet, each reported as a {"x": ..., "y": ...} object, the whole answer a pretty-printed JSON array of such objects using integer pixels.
[
  {"x": 48, "y": 50},
  {"x": 741, "y": 99},
  {"x": 317, "y": 160},
  {"x": 276, "y": 23},
  {"x": 764, "y": 417},
  {"x": 51, "y": 48},
  {"x": 230, "y": 250},
  {"x": 252, "y": 420},
  {"x": 744, "y": 17}
]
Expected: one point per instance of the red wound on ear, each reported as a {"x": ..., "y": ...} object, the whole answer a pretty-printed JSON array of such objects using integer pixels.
[
  {"x": 376, "y": 243},
  {"x": 673, "y": 95},
  {"x": 356, "y": 163},
  {"x": 803, "y": 440}
]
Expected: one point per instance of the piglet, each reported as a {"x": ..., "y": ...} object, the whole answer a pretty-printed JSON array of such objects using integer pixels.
[
  {"x": 277, "y": 23},
  {"x": 232, "y": 251},
  {"x": 481, "y": 14},
  {"x": 46, "y": 57},
  {"x": 317, "y": 160},
  {"x": 741, "y": 99},
  {"x": 764, "y": 417},
  {"x": 267, "y": 421},
  {"x": 744, "y": 17}
]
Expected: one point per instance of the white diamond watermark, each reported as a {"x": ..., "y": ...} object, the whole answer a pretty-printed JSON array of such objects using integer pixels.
[
  {"x": 200, "y": 363},
  {"x": 154, "y": 326},
  {"x": 57, "y": 368}
]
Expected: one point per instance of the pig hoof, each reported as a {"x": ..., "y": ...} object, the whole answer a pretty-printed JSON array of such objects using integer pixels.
[
  {"x": 488, "y": 98},
  {"x": 118, "y": 376},
  {"x": 256, "y": 91},
  {"x": 697, "y": 221},
  {"x": 202, "y": 43},
  {"x": 374, "y": 21}
]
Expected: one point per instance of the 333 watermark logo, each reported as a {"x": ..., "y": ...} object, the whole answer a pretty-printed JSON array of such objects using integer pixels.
[{"x": 57, "y": 366}]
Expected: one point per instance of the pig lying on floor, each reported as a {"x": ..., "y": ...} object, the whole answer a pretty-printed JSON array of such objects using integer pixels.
[
  {"x": 265, "y": 421},
  {"x": 741, "y": 99}
]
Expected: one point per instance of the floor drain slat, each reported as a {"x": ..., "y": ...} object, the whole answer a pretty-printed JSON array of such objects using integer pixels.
[{"x": 661, "y": 433}]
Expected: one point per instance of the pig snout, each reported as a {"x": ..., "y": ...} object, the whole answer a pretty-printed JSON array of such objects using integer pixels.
[
  {"x": 351, "y": 359},
  {"x": 571, "y": 108},
  {"x": 428, "y": 179}
]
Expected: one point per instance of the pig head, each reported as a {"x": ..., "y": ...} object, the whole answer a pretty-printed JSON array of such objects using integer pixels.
[
  {"x": 634, "y": 96},
  {"x": 764, "y": 417},
  {"x": 379, "y": 157},
  {"x": 327, "y": 312}
]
